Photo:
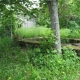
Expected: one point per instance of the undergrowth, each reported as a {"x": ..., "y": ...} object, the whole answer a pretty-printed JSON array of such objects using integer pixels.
[{"x": 38, "y": 63}]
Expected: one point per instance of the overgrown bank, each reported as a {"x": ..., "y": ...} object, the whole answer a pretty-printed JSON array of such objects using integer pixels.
[{"x": 37, "y": 63}]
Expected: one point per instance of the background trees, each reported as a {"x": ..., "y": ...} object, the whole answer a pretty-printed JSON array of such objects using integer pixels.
[{"x": 67, "y": 10}]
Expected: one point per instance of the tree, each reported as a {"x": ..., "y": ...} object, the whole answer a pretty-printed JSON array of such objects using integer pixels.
[
  {"x": 53, "y": 9},
  {"x": 8, "y": 9},
  {"x": 24, "y": 5}
]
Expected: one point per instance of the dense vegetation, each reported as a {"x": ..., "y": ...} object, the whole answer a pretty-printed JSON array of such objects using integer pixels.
[
  {"x": 33, "y": 32},
  {"x": 45, "y": 32},
  {"x": 39, "y": 62}
]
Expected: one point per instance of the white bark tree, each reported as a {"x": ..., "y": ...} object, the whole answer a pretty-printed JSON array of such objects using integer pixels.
[{"x": 53, "y": 8}]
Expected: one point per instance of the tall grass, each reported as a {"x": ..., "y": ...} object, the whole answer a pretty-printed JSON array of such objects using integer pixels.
[
  {"x": 45, "y": 32},
  {"x": 68, "y": 33},
  {"x": 33, "y": 32}
]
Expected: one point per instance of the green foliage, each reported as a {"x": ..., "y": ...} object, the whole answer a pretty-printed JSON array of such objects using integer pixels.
[
  {"x": 65, "y": 33},
  {"x": 46, "y": 32},
  {"x": 42, "y": 63},
  {"x": 73, "y": 25},
  {"x": 68, "y": 53},
  {"x": 37, "y": 63},
  {"x": 5, "y": 45},
  {"x": 7, "y": 23},
  {"x": 43, "y": 16},
  {"x": 70, "y": 33},
  {"x": 33, "y": 32},
  {"x": 68, "y": 12},
  {"x": 54, "y": 66},
  {"x": 45, "y": 48},
  {"x": 70, "y": 8},
  {"x": 75, "y": 33}
]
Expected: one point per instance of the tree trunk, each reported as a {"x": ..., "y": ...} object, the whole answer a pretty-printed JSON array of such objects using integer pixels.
[{"x": 53, "y": 9}]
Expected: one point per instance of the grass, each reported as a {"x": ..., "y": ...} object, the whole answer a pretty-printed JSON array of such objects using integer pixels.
[
  {"x": 65, "y": 33},
  {"x": 68, "y": 33},
  {"x": 45, "y": 32},
  {"x": 33, "y": 32}
]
